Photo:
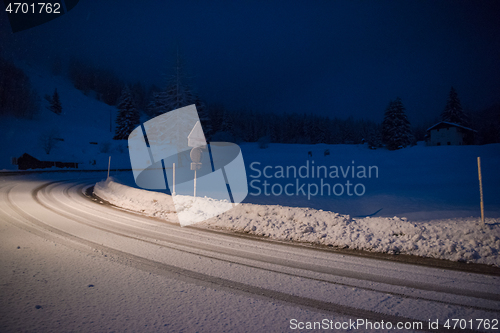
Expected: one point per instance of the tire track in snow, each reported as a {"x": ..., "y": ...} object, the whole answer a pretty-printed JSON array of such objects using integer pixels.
[{"x": 276, "y": 261}]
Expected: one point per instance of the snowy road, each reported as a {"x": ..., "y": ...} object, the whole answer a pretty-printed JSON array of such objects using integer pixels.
[{"x": 69, "y": 263}]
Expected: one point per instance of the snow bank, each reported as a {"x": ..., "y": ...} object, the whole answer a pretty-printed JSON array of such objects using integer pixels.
[
  {"x": 160, "y": 204},
  {"x": 460, "y": 239},
  {"x": 149, "y": 203},
  {"x": 453, "y": 239}
]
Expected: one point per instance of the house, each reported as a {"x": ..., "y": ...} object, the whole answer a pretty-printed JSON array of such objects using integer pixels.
[
  {"x": 445, "y": 133},
  {"x": 27, "y": 161}
]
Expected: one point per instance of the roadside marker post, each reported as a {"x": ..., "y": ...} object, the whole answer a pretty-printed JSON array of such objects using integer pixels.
[
  {"x": 173, "y": 193},
  {"x": 194, "y": 183},
  {"x": 480, "y": 187},
  {"x": 109, "y": 164}
]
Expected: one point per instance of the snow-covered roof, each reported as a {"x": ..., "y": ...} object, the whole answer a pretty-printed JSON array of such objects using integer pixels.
[
  {"x": 452, "y": 124},
  {"x": 52, "y": 157}
]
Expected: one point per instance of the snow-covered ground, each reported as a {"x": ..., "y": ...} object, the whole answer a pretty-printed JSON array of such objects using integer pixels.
[
  {"x": 418, "y": 182},
  {"x": 70, "y": 264},
  {"x": 458, "y": 239}
]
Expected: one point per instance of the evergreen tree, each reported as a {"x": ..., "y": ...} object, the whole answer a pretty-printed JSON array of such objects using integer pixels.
[
  {"x": 374, "y": 136},
  {"x": 128, "y": 115},
  {"x": 150, "y": 101},
  {"x": 227, "y": 121},
  {"x": 204, "y": 116},
  {"x": 396, "y": 131},
  {"x": 140, "y": 95},
  {"x": 151, "y": 107},
  {"x": 321, "y": 123},
  {"x": 336, "y": 126},
  {"x": 158, "y": 105},
  {"x": 347, "y": 131},
  {"x": 223, "y": 124},
  {"x": 55, "y": 103},
  {"x": 275, "y": 127},
  {"x": 453, "y": 112},
  {"x": 178, "y": 93}
]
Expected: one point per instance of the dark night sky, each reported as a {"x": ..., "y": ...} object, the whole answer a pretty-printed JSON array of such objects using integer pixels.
[{"x": 336, "y": 58}]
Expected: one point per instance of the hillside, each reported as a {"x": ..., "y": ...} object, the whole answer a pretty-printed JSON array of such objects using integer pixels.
[{"x": 84, "y": 120}]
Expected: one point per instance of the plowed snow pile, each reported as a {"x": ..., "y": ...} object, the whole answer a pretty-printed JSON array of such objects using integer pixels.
[{"x": 459, "y": 239}]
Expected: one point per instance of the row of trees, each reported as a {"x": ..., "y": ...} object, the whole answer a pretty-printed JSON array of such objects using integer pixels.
[
  {"x": 221, "y": 124},
  {"x": 250, "y": 126},
  {"x": 18, "y": 98}
]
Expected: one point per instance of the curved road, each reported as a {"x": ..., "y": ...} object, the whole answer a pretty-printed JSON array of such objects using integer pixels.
[{"x": 71, "y": 263}]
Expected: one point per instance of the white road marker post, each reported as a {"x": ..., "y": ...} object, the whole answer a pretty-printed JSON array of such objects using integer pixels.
[
  {"x": 195, "y": 183},
  {"x": 480, "y": 187},
  {"x": 173, "y": 193},
  {"x": 109, "y": 164}
]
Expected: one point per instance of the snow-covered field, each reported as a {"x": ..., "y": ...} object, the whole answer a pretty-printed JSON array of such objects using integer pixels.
[
  {"x": 418, "y": 182},
  {"x": 458, "y": 239}
]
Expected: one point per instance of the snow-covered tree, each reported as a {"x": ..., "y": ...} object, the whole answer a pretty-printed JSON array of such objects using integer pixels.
[
  {"x": 227, "y": 124},
  {"x": 348, "y": 130},
  {"x": 158, "y": 105},
  {"x": 178, "y": 94},
  {"x": 396, "y": 131},
  {"x": 151, "y": 107},
  {"x": 374, "y": 136},
  {"x": 55, "y": 103},
  {"x": 453, "y": 111},
  {"x": 216, "y": 112},
  {"x": 140, "y": 95},
  {"x": 204, "y": 116},
  {"x": 128, "y": 115}
]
